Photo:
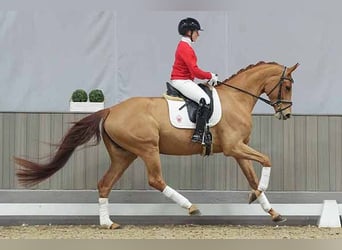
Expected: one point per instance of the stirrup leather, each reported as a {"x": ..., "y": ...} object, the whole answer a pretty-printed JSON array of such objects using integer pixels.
[{"x": 202, "y": 134}]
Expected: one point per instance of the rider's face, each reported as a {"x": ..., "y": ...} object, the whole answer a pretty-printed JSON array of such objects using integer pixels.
[{"x": 195, "y": 35}]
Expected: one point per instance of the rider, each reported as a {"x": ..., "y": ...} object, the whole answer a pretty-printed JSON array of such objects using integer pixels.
[{"x": 185, "y": 70}]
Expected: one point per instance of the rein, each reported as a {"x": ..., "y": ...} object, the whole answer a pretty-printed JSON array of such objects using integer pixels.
[{"x": 273, "y": 104}]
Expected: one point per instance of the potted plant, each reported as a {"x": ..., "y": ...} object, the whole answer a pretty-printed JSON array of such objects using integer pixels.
[
  {"x": 81, "y": 103},
  {"x": 96, "y": 95},
  {"x": 79, "y": 95}
]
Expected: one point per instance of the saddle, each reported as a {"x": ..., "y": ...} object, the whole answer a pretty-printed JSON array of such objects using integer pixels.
[{"x": 191, "y": 106}]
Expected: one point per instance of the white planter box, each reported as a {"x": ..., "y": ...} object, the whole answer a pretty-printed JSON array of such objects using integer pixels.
[{"x": 86, "y": 106}]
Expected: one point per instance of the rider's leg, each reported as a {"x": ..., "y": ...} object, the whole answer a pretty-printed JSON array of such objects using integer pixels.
[
  {"x": 191, "y": 90},
  {"x": 202, "y": 117},
  {"x": 195, "y": 93}
]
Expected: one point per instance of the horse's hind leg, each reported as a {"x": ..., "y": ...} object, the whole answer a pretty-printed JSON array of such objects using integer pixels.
[
  {"x": 248, "y": 170},
  {"x": 155, "y": 180},
  {"x": 120, "y": 161}
]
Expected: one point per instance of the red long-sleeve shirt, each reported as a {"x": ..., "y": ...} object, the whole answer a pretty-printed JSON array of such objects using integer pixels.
[{"x": 185, "y": 65}]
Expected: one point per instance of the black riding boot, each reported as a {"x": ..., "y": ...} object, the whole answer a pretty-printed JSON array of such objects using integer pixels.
[{"x": 202, "y": 118}]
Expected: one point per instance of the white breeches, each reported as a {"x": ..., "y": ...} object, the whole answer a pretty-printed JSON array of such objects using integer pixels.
[{"x": 191, "y": 90}]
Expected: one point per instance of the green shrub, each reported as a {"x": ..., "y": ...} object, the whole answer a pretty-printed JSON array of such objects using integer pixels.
[
  {"x": 96, "y": 95},
  {"x": 79, "y": 95}
]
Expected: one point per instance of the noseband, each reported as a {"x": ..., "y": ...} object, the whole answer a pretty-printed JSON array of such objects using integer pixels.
[{"x": 276, "y": 104}]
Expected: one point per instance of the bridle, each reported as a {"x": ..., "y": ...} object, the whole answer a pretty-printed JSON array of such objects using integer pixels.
[{"x": 276, "y": 104}]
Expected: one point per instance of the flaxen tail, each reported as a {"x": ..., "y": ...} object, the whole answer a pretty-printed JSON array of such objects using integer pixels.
[{"x": 81, "y": 132}]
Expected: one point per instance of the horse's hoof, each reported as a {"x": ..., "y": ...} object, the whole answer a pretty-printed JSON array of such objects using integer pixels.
[
  {"x": 112, "y": 226},
  {"x": 279, "y": 219},
  {"x": 193, "y": 210},
  {"x": 252, "y": 197}
]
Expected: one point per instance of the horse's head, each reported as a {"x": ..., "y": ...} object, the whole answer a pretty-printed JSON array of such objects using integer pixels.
[{"x": 279, "y": 91}]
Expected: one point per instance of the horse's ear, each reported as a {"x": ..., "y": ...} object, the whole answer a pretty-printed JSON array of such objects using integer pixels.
[{"x": 293, "y": 68}]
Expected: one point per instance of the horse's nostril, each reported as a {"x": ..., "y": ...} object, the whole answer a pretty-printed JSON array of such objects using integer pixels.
[{"x": 288, "y": 116}]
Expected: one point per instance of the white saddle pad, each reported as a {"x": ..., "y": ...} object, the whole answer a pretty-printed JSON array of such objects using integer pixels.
[{"x": 180, "y": 118}]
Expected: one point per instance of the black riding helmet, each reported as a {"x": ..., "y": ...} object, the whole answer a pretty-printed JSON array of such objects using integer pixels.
[{"x": 188, "y": 24}]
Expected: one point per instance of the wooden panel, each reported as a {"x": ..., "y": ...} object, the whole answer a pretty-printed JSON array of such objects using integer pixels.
[
  {"x": 209, "y": 176},
  {"x": 221, "y": 172},
  {"x": 79, "y": 166},
  {"x": 91, "y": 161},
  {"x": 277, "y": 155},
  {"x": 8, "y": 151},
  {"x": 306, "y": 153},
  {"x": 323, "y": 166},
  {"x": 289, "y": 170},
  {"x": 44, "y": 132},
  {"x": 55, "y": 138},
  {"x": 139, "y": 179},
  {"x": 2, "y": 153},
  {"x": 68, "y": 169},
  {"x": 20, "y": 139},
  {"x": 172, "y": 170},
  {"x": 185, "y": 172},
  {"x": 300, "y": 147},
  {"x": 335, "y": 153},
  {"x": 311, "y": 153},
  {"x": 196, "y": 173},
  {"x": 233, "y": 170},
  {"x": 265, "y": 144}
]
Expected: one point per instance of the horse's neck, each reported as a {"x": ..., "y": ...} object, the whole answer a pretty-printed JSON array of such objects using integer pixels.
[{"x": 252, "y": 83}]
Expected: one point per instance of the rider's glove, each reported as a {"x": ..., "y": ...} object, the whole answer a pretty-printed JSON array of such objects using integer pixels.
[{"x": 214, "y": 79}]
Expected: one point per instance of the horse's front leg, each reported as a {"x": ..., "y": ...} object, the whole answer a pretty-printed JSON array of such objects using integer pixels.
[
  {"x": 244, "y": 152},
  {"x": 258, "y": 188}
]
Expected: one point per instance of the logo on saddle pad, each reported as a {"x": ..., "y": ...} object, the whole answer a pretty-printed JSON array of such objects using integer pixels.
[{"x": 183, "y": 117}]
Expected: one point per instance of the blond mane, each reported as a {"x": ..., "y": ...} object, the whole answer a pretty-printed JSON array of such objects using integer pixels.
[{"x": 250, "y": 67}]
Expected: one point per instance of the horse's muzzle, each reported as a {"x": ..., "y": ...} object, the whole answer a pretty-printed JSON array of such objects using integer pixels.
[{"x": 282, "y": 116}]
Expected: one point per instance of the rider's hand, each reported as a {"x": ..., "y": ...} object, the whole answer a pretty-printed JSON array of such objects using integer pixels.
[{"x": 214, "y": 79}]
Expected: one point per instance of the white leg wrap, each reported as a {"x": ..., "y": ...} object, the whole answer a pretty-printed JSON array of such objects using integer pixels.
[
  {"x": 104, "y": 214},
  {"x": 265, "y": 178},
  {"x": 262, "y": 199},
  {"x": 176, "y": 197}
]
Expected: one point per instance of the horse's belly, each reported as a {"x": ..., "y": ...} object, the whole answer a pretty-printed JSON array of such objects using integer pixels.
[{"x": 174, "y": 146}]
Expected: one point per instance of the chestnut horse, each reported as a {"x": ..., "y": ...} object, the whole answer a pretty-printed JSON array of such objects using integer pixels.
[{"x": 140, "y": 127}]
